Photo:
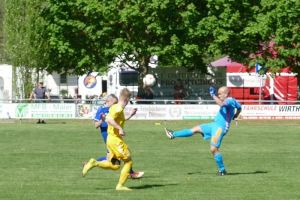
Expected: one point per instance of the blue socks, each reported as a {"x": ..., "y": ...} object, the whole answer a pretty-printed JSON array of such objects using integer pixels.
[
  {"x": 183, "y": 133},
  {"x": 219, "y": 160},
  {"x": 101, "y": 158}
]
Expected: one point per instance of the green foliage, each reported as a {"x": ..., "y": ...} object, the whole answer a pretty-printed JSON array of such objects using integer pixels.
[
  {"x": 2, "y": 55},
  {"x": 280, "y": 22},
  {"x": 80, "y": 36},
  {"x": 25, "y": 43},
  {"x": 253, "y": 31},
  {"x": 86, "y": 35}
]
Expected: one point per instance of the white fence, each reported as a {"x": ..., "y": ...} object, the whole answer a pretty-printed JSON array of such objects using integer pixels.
[{"x": 145, "y": 111}]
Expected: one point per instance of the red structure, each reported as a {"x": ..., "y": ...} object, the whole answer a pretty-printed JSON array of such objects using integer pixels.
[{"x": 248, "y": 85}]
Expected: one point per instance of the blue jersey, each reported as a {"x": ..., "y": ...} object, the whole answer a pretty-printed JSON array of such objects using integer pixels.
[
  {"x": 226, "y": 112},
  {"x": 102, "y": 110}
]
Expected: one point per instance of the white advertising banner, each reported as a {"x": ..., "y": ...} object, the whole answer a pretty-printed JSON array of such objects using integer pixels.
[
  {"x": 271, "y": 112},
  {"x": 7, "y": 111},
  {"x": 173, "y": 112},
  {"x": 145, "y": 112},
  {"x": 178, "y": 112},
  {"x": 244, "y": 80}
]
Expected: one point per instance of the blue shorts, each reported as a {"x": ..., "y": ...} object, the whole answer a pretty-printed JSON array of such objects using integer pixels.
[{"x": 214, "y": 132}]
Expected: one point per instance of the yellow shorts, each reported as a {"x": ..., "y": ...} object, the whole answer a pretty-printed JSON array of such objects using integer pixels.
[{"x": 117, "y": 148}]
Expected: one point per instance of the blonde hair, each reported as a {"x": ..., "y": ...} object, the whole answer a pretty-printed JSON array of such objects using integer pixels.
[{"x": 125, "y": 93}]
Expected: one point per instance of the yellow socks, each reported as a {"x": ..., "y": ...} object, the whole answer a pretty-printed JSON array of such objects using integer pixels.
[
  {"x": 124, "y": 176},
  {"x": 106, "y": 165}
]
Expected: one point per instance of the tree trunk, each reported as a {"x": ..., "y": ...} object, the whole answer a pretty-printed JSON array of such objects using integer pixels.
[{"x": 143, "y": 70}]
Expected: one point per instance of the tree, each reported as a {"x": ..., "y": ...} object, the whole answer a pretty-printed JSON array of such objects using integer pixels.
[
  {"x": 1, "y": 31},
  {"x": 25, "y": 43},
  {"x": 265, "y": 32},
  {"x": 87, "y": 35},
  {"x": 280, "y": 28}
]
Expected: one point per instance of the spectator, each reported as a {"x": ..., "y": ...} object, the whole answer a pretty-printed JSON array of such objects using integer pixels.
[
  {"x": 145, "y": 93},
  {"x": 39, "y": 94},
  {"x": 179, "y": 92}
]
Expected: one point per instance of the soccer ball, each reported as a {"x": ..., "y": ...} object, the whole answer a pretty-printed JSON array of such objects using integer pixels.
[{"x": 149, "y": 80}]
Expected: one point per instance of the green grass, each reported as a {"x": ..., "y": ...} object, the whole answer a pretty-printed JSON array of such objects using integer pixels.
[{"x": 41, "y": 162}]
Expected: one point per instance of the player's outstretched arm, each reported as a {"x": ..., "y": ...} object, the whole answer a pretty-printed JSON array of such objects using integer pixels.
[
  {"x": 218, "y": 101},
  {"x": 213, "y": 94},
  {"x": 133, "y": 112},
  {"x": 99, "y": 118},
  {"x": 236, "y": 115},
  {"x": 48, "y": 96},
  {"x": 97, "y": 124},
  {"x": 32, "y": 96}
]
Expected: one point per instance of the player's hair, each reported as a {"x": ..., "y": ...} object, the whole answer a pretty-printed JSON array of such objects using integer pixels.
[
  {"x": 113, "y": 96},
  {"x": 125, "y": 93}
]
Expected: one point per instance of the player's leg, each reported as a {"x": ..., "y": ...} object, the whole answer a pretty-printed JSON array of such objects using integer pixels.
[
  {"x": 219, "y": 160},
  {"x": 88, "y": 166},
  {"x": 133, "y": 174},
  {"x": 124, "y": 175},
  {"x": 215, "y": 144},
  {"x": 136, "y": 174},
  {"x": 104, "y": 164},
  {"x": 104, "y": 136},
  {"x": 113, "y": 148},
  {"x": 113, "y": 160},
  {"x": 122, "y": 152},
  {"x": 183, "y": 133}
]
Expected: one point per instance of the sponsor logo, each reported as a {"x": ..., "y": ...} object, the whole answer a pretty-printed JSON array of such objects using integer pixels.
[
  {"x": 90, "y": 81},
  {"x": 22, "y": 110}
]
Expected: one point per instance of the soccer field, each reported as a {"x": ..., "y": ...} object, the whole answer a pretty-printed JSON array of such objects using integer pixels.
[{"x": 44, "y": 162}]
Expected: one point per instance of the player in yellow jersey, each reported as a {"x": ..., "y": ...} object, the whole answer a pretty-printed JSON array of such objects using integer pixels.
[{"x": 118, "y": 149}]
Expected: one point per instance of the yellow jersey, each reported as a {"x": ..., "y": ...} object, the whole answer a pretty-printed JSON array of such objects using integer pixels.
[{"x": 116, "y": 112}]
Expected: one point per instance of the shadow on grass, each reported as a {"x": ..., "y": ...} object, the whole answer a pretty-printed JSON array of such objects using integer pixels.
[
  {"x": 148, "y": 186},
  {"x": 245, "y": 173},
  {"x": 192, "y": 173},
  {"x": 235, "y": 173},
  {"x": 141, "y": 187},
  {"x": 22, "y": 121}
]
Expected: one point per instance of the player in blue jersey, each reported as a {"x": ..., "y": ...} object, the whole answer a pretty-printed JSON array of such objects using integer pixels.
[
  {"x": 215, "y": 131},
  {"x": 99, "y": 121}
]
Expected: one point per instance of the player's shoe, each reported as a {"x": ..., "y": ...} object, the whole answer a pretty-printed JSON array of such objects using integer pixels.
[
  {"x": 136, "y": 175},
  {"x": 169, "y": 133},
  {"x": 222, "y": 173},
  {"x": 88, "y": 166},
  {"x": 122, "y": 188}
]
